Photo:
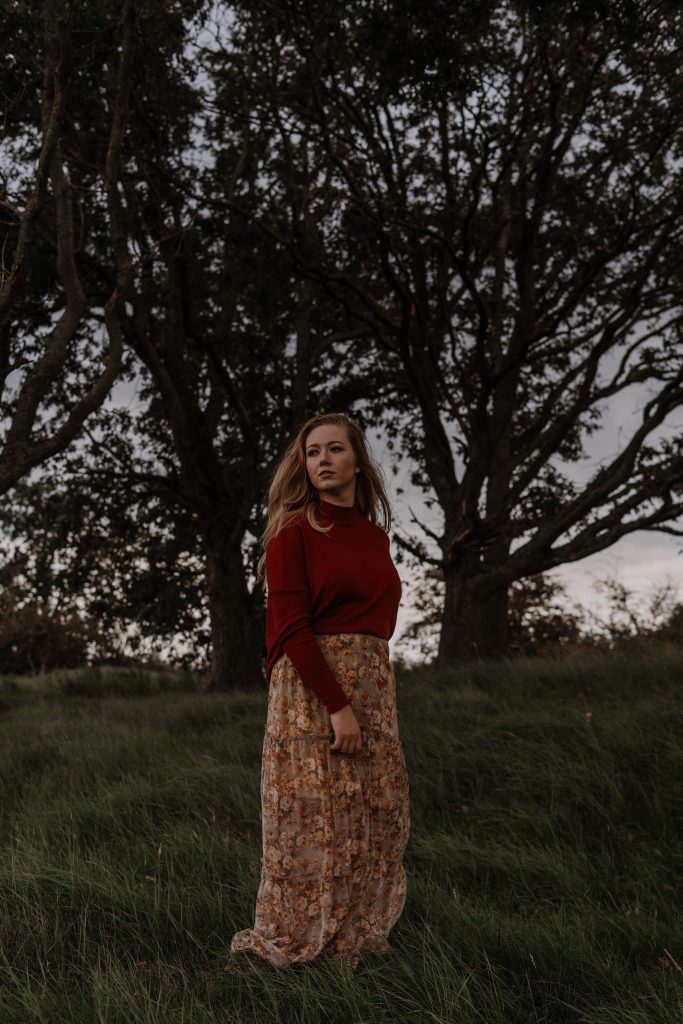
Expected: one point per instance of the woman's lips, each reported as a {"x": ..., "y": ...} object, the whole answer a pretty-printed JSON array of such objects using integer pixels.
[{"x": 327, "y": 474}]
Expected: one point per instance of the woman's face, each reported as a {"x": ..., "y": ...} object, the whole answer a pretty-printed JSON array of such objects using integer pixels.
[{"x": 328, "y": 450}]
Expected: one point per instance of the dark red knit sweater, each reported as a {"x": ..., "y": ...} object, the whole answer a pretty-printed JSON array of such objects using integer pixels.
[{"x": 345, "y": 582}]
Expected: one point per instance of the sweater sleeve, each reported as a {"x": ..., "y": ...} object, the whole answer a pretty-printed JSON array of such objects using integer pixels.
[{"x": 289, "y": 595}]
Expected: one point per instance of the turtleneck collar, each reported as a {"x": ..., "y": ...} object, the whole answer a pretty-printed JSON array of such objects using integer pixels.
[{"x": 339, "y": 513}]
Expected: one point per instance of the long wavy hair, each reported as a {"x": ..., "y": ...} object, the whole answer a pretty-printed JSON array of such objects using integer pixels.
[{"x": 291, "y": 491}]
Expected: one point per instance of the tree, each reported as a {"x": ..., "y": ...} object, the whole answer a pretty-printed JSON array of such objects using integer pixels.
[
  {"x": 230, "y": 350},
  {"x": 630, "y": 618},
  {"x": 36, "y": 639},
  {"x": 101, "y": 534},
  {"x": 46, "y": 322},
  {"x": 541, "y": 621},
  {"x": 223, "y": 330},
  {"x": 511, "y": 204}
]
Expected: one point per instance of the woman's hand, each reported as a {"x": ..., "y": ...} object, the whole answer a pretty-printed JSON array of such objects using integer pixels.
[{"x": 347, "y": 737}]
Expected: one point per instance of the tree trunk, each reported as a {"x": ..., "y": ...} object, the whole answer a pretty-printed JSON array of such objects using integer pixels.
[
  {"x": 475, "y": 619},
  {"x": 236, "y": 621}
]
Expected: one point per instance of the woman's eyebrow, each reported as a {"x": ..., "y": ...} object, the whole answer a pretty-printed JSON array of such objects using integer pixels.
[{"x": 315, "y": 444}]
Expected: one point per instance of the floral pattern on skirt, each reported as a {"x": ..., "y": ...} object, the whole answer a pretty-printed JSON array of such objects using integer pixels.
[{"x": 335, "y": 825}]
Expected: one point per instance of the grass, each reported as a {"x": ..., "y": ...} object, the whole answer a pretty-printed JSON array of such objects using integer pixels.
[{"x": 545, "y": 879}]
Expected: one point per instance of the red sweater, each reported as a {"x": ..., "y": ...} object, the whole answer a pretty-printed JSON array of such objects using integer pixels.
[{"x": 345, "y": 582}]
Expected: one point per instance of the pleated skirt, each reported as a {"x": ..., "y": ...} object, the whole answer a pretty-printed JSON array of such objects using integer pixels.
[{"x": 335, "y": 825}]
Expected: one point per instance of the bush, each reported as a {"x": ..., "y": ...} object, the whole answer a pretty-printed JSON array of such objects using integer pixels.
[{"x": 35, "y": 640}]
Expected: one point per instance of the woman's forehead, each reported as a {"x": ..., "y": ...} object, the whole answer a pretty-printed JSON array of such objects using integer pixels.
[{"x": 325, "y": 435}]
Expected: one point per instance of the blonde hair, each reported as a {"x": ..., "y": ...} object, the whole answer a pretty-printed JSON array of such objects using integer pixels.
[{"x": 291, "y": 491}]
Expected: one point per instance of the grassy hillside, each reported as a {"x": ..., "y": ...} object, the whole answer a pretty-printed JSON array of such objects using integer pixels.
[{"x": 545, "y": 862}]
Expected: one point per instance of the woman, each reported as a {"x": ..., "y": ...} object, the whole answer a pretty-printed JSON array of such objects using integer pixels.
[{"x": 334, "y": 786}]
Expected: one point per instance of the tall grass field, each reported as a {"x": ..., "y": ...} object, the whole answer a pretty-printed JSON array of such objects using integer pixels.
[{"x": 545, "y": 861}]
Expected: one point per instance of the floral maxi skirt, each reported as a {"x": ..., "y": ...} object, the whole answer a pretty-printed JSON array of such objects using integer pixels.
[{"x": 335, "y": 825}]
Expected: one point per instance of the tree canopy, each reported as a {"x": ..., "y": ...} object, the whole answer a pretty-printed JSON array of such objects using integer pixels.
[{"x": 458, "y": 222}]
